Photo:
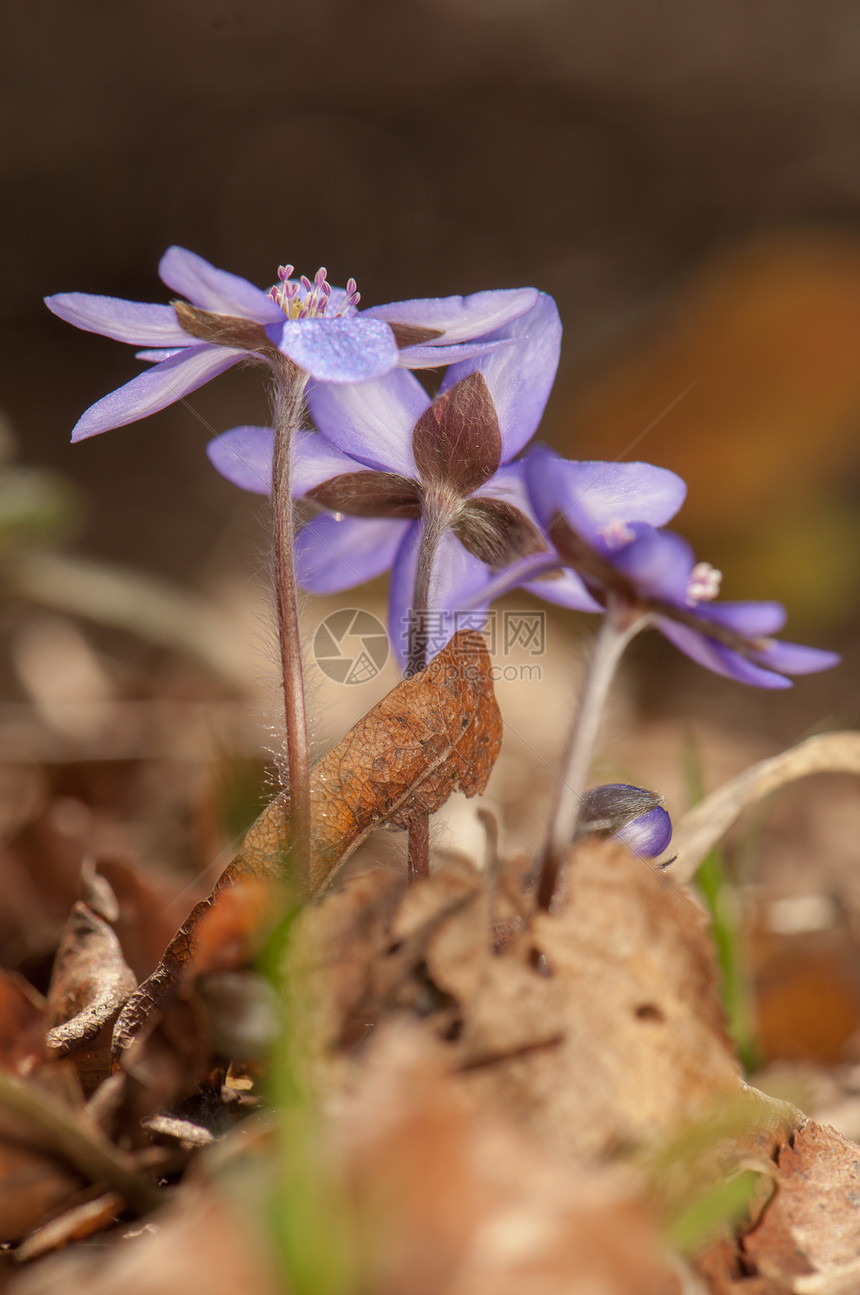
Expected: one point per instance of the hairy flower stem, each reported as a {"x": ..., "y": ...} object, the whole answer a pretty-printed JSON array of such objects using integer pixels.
[
  {"x": 288, "y": 408},
  {"x": 433, "y": 525},
  {"x": 620, "y": 624}
]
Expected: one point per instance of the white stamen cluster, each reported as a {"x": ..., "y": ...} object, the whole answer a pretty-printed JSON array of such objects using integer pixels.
[
  {"x": 301, "y": 299},
  {"x": 616, "y": 534},
  {"x": 704, "y": 583}
]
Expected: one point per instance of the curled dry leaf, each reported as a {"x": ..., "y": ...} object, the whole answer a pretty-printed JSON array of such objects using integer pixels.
[
  {"x": 703, "y": 826},
  {"x": 75, "y": 1224},
  {"x": 89, "y": 984},
  {"x": 807, "y": 1241},
  {"x": 433, "y": 734}
]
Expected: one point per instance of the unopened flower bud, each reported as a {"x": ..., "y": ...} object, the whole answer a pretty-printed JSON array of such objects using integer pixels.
[{"x": 632, "y": 814}]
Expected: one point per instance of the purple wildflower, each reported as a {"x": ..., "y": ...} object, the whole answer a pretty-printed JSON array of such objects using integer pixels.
[
  {"x": 387, "y": 454},
  {"x": 654, "y": 572},
  {"x": 319, "y": 328}
]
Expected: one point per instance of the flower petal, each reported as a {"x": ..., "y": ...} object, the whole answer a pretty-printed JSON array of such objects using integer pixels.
[
  {"x": 793, "y": 658},
  {"x": 137, "y": 322},
  {"x": 753, "y": 619},
  {"x": 316, "y": 460},
  {"x": 658, "y": 563},
  {"x": 244, "y": 456},
  {"x": 592, "y": 495},
  {"x": 372, "y": 421},
  {"x": 454, "y": 601},
  {"x": 714, "y": 656},
  {"x": 427, "y": 356},
  {"x": 565, "y": 589},
  {"x": 155, "y": 357},
  {"x": 217, "y": 290},
  {"x": 338, "y": 350},
  {"x": 647, "y": 835},
  {"x": 520, "y": 377},
  {"x": 334, "y": 552},
  {"x": 460, "y": 319},
  {"x": 157, "y": 388}
]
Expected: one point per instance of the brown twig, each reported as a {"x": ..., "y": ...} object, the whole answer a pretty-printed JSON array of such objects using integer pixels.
[{"x": 93, "y": 1157}]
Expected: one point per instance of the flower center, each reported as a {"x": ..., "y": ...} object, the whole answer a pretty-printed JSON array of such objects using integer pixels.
[
  {"x": 301, "y": 299},
  {"x": 704, "y": 583},
  {"x": 616, "y": 534}
]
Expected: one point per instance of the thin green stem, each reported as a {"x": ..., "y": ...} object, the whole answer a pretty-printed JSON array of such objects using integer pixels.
[
  {"x": 288, "y": 408},
  {"x": 620, "y": 624}
]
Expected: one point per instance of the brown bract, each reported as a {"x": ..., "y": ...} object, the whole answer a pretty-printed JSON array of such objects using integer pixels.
[
  {"x": 222, "y": 330},
  {"x": 457, "y": 442}
]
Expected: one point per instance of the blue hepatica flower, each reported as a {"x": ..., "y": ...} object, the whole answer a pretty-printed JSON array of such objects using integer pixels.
[
  {"x": 386, "y": 451},
  {"x": 656, "y": 574},
  {"x": 630, "y": 814},
  {"x": 318, "y": 327}
]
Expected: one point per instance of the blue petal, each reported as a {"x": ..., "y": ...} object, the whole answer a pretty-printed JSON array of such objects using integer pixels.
[
  {"x": 217, "y": 290},
  {"x": 162, "y": 353},
  {"x": 244, "y": 456},
  {"x": 460, "y": 319},
  {"x": 793, "y": 658},
  {"x": 520, "y": 377},
  {"x": 316, "y": 460},
  {"x": 428, "y": 356},
  {"x": 714, "y": 656},
  {"x": 337, "y": 350},
  {"x": 565, "y": 587},
  {"x": 752, "y": 619},
  {"x": 137, "y": 322},
  {"x": 157, "y": 388},
  {"x": 334, "y": 552},
  {"x": 649, "y": 834},
  {"x": 658, "y": 563},
  {"x": 593, "y": 495},
  {"x": 372, "y": 421}
]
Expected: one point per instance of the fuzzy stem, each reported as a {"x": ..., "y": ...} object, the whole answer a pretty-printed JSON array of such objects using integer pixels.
[
  {"x": 433, "y": 525},
  {"x": 620, "y": 624},
  {"x": 288, "y": 408}
]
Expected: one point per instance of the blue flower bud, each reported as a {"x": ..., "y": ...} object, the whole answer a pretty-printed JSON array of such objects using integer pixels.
[{"x": 631, "y": 814}]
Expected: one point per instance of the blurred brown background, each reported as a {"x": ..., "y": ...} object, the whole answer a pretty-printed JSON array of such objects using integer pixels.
[{"x": 683, "y": 178}]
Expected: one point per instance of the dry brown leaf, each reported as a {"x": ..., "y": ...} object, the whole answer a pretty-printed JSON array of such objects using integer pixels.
[
  {"x": 201, "y": 1244},
  {"x": 704, "y": 825},
  {"x": 433, "y": 734},
  {"x": 621, "y": 1041},
  {"x": 89, "y": 984},
  {"x": 807, "y": 1241},
  {"x": 453, "y": 1200},
  {"x": 75, "y": 1224}
]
